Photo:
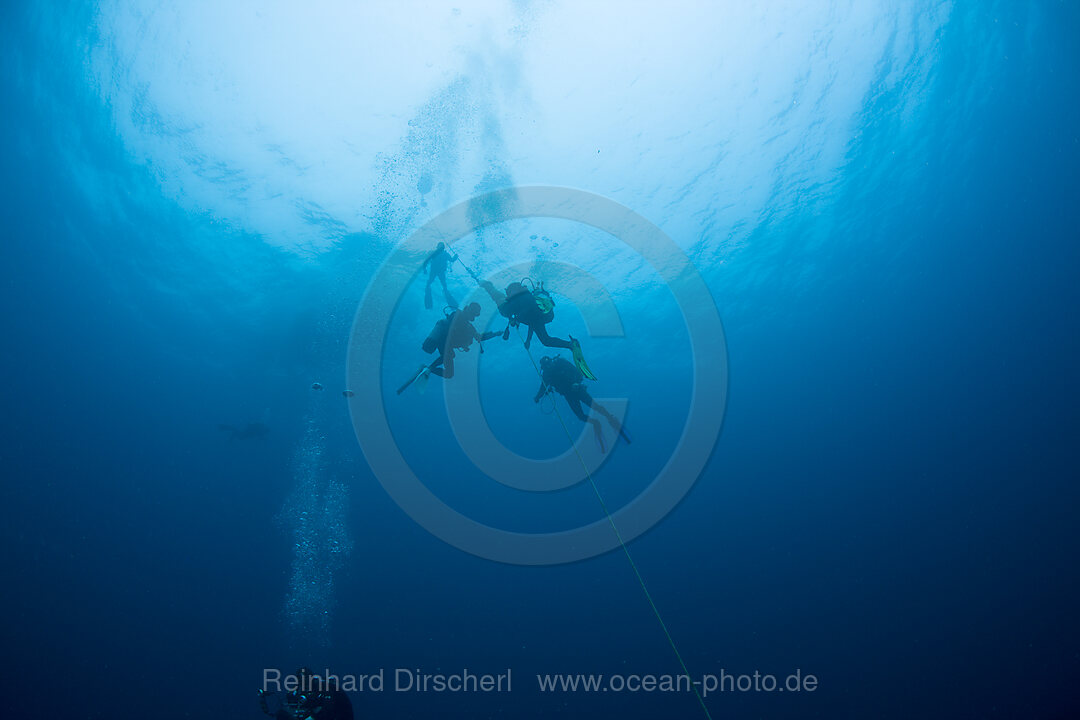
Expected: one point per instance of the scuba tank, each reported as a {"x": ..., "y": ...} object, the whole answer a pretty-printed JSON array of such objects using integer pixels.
[
  {"x": 451, "y": 332},
  {"x": 544, "y": 302},
  {"x": 436, "y": 339}
]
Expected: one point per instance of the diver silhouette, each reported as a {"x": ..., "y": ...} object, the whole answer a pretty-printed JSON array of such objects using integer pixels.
[
  {"x": 453, "y": 332},
  {"x": 437, "y": 263},
  {"x": 534, "y": 309},
  {"x": 562, "y": 376}
]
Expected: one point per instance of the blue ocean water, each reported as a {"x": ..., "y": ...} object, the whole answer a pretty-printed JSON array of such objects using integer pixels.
[{"x": 879, "y": 199}]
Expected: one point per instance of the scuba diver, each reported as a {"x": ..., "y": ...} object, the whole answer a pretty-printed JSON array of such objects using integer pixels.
[
  {"x": 453, "y": 332},
  {"x": 311, "y": 701},
  {"x": 565, "y": 378},
  {"x": 437, "y": 264},
  {"x": 535, "y": 309}
]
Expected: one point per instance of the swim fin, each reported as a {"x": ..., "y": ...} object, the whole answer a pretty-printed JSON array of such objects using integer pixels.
[
  {"x": 579, "y": 359},
  {"x": 598, "y": 433},
  {"x": 422, "y": 380},
  {"x": 427, "y": 298},
  {"x": 622, "y": 432},
  {"x": 423, "y": 371}
]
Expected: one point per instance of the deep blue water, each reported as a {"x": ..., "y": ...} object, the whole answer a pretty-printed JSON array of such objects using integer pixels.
[{"x": 881, "y": 202}]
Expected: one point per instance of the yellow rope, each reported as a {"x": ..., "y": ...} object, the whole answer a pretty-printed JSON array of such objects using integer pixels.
[{"x": 618, "y": 536}]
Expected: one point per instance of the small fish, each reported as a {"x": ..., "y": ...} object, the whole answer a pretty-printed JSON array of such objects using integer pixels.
[
  {"x": 347, "y": 393},
  {"x": 316, "y": 386}
]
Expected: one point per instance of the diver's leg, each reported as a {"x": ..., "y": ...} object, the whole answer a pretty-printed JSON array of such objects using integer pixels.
[
  {"x": 441, "y": 360},
  {"x": 614, "y": 421},
  {"x": 446, "y": 292},
  {"x": 541, "y": 332},
  {"x": 598, "y": 430},
  {"x": 588, "y": 400},
  {"x": 448, "y": 366},
  {"x": 427, "y": 293},
  {"x": 598, "y": 433},
  {"x": 574, "y": 401}
]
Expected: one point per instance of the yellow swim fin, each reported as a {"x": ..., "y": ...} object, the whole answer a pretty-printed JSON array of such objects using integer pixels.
[{"x": 579, "y": 359}]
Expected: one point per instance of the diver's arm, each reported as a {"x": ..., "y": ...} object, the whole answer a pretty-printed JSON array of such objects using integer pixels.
[
  {"x": 541, "y": 392},
  {"x": 481, "y": 337},
  {"x": 528, "y": 338},
  {"x": 497, "y": 296}
]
